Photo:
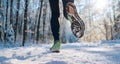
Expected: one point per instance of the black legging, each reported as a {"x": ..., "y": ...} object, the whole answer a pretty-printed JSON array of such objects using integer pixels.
[{"x": 54, "y": 4}]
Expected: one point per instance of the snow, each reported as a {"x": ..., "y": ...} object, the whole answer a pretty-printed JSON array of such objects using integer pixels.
[{"x": 104, "y": 52}]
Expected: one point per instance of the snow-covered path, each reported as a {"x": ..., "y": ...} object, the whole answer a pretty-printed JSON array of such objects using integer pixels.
[{"x": 75, "y": 53}]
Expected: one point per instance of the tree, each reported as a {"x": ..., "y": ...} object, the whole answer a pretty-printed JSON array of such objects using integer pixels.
[
  {"x": 44, "y": 21},
  {"x": 6, "y": 20},
  {"x": 0, "y": 18},
  {"x": 25, "y": 23},
  {"x": 17, "y": 19},
  {"x": 0, "y": 4},
  {"x": 8, "y": 33},
  {"x": 38, "y": 24},
  {"x": 11, "y": 12}
]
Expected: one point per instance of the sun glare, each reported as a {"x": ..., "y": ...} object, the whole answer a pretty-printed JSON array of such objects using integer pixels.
[{"x": 100, "y": 5}]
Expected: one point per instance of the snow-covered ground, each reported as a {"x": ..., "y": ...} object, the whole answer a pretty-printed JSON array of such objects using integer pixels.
[{"x": 105, "y": 52}]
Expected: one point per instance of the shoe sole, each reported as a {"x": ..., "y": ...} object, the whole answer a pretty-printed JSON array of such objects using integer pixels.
[
  {"x": 77, "y": 25},
  {"x": 54, "y": 51}
]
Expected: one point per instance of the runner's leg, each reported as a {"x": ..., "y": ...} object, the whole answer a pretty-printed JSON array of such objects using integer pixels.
[{"x": 54, "y": 4}]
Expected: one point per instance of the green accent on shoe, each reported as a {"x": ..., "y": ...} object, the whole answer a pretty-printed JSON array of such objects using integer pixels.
[
  {"x": 70, "y": 19},
  {"x": 56, "y": 46}
]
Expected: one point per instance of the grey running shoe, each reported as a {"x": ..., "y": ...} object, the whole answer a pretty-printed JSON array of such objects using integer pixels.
[{"x": 77, "y": 24}]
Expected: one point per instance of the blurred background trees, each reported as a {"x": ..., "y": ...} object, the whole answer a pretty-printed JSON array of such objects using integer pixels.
[{"x": 29, "y": 21}]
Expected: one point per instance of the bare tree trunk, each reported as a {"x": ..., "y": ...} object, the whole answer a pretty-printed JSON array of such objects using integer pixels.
[
  {"x": 6, "y": 20},
  {"x": 25, "y": 23},
  {"x": 0, "y": 20},
  {"x": 17, "y": 19},
  {"x": 114, "y": 11},
  {"x": 38, "y": 26},
  {"x": 6, "y": 14},
  {"x": 119, "y": 5},
  {"x": 105, "y": 25},
  {"x": 11, "y": 12},
  {"x": 113, "y": 8},
  {"x": 44, "y": 21},
  {"x": 0, "y": 4}
]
